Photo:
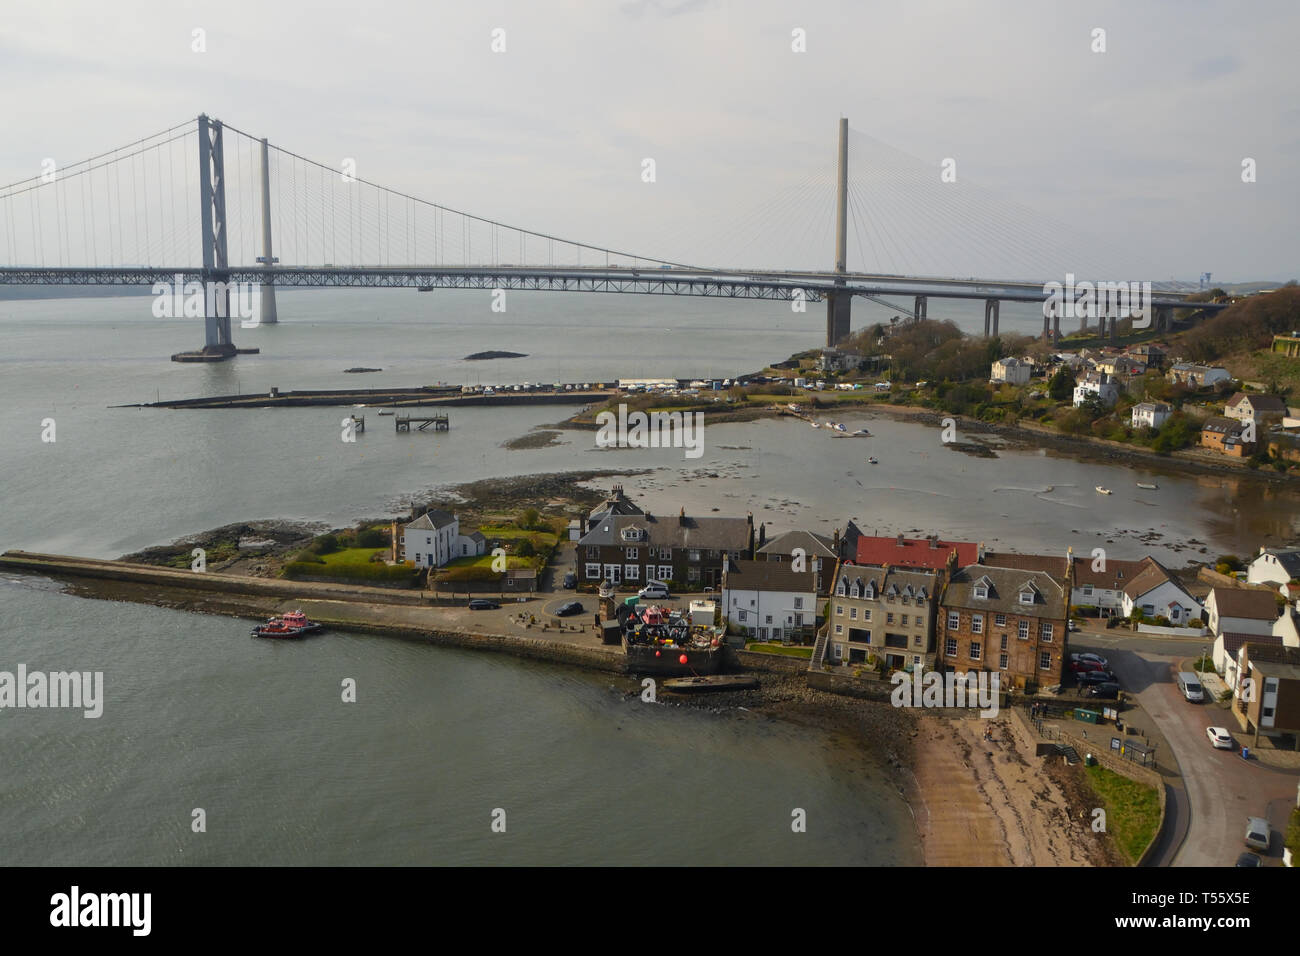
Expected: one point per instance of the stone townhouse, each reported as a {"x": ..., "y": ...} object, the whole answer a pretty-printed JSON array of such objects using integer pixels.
[
  {"x": 689, "y": 551},
  {"x": 1005, "y": 620},
  {"x": 884, "y": 612}
]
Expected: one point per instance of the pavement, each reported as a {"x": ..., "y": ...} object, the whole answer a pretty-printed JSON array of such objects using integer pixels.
[{"x": 1214, "y": 790}]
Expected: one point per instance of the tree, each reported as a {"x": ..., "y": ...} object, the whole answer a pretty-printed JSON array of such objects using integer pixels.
[
  {"x": 527, "y": 519},
  {"x": 1061, "y": 385}
]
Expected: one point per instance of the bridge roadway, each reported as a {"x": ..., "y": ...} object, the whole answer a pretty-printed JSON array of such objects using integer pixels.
[{"x": 677, "y": 280}]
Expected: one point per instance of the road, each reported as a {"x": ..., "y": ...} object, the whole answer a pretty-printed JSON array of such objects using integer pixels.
[{"x": 1219, "y": 789}]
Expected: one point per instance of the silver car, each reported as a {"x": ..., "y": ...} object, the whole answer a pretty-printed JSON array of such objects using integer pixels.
[{"x": 1257, "y": 833}]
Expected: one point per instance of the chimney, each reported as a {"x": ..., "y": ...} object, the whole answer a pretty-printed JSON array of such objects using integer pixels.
[
  {"x": 900, "y": 540},
  {"x": 392, "y": 540},
  {"x": 835, "y": 541},
  {"x": 762, "y": 533},
  {"x": 980, "y": 552},
  {"x": 934, "y": 542}
]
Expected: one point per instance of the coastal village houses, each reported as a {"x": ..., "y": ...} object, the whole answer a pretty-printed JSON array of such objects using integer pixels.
[
  {"x": 1150, "y": 414},
  {"x": 1237, "y": 615},
  {"x": 1260, "y": 409},
  {"x": 683, "y": 549},
  {"x": 817, "y": 552},
  {"x": 1099, "y": 384},
  {"x": 1276, "y": 566},
  {"x": 434, "y": 538},
  {"x": 1226, "y": 436},
  {"x": 769, "y": 599},
  {"x": 1006, "y": 620},
  {"x": 1012, "y": 371},
  {"x": 885, "y": 612},
  {"x": 1270, "y": 703},
  {"x": 1196, "y": 376}
]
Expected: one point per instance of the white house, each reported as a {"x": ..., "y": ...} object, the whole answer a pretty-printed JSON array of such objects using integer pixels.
[
  {"x": 1012, "y": 371},
  {"x": 1151, "y": 414},
  {"x": 434, "y": 538},
  {"x": 1274, "y": 566},
  {"x": 1099, "y": 384},
  {"x": 1101, "y": 584},
  {"x": 1234, "y": 615},
  {"x": 1158, "y": 594},
  {"x": 1255, "y": 408},
  {"x": 768, "y": 599}
]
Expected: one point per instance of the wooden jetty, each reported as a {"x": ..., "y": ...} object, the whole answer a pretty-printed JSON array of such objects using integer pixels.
[{"x": 439, "y": 423}]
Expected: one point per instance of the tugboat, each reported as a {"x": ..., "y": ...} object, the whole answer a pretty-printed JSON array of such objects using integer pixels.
[{"x": 290, "y": 624}]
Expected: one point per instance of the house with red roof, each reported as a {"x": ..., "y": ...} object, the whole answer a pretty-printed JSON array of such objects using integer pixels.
[{"x": 931, "y": 552}]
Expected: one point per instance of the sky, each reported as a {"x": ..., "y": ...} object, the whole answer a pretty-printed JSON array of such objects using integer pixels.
[{"x": 1132, "y": 155}]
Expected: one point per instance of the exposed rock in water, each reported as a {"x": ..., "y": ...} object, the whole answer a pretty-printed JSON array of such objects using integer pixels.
[
  {"x": 480, "y": 356},
  {"x": 361, "y": 368}
]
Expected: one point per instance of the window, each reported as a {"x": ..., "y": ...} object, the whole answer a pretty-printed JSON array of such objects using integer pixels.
[
  {"x": 1004, "y": 642},
  {"x": 840, "y": 589},
  {"x": 853, "y": 614},
  {"x": 915, "y": 660},
  {"x": 692, "y": 574},
  {"x": 613, "y": 573},
  {"x": 631, "y": 572},
  {"x": 593, "y": 552},
  {"x": 1002, "y": 662},
  {"x": 1087, "y": 590},
  {"x": 1000, "y": 620},
  {"x": 1026, "y": 597},
  {"x": 1022, "y": 630},
  {"x": 889, "y": 617},
  {"x": 1046, "y": 632},
  {"x": 903, "y": 620},
  {"x": 977, "y": 623},
  {"x": 1270, "y": 685},
  {"x": 798, "y": 604},
  {"x": 839, "y": 629},
  {"x": 839, "y": 651},
  {"x": 981, "y": 592},
  {"x": 839, "y": 610},
  {"x": 665, "y": 572},
  {"x": 694, "y": 555},
  {"x": 631, "y": 554},
  {"x": 1045, "y": 660},
  {"x": 950, "y": 647},
  {"x": 740, "y": 616},
  {"x": 920, "y": 602},
  {"x": 866, "y": 614},
  {"x": 916, "y": 640},
  {"x": 954, "y": 621},
  {"x": 593, "y": 571},
  {"x": 976, "y": 648},
  {"x": 769, "y": 619}
]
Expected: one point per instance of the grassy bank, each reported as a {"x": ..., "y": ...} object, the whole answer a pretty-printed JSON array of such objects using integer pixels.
[{"x": 1132, "y": 810}]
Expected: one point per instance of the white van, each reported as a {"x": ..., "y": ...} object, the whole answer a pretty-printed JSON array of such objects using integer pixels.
[{"x": 1190, "y": 686}]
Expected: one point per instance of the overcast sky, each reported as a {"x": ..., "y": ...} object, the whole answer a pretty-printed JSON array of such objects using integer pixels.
[{"x": 1141, "y": 145}]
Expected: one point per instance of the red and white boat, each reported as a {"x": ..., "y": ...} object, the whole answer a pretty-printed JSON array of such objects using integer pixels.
[{"x": 289, "y": 624}]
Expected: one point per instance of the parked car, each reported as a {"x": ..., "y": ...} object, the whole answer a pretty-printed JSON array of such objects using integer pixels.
[
  {"x": 571, "y": 607},
  {"x": 1094, "y": 658},
  {"x": 654, "y": 592},
  {"x": 1257, "y": 833},
  {"x": 484, "y": 604},
  {"x": 570, "y": 581},
  {"x": 1073, "y": 625},
  {"x": 1249, "y": 859},
  {"x": 1082, "y": 667},
  {"x": 1190, "y": 685},
  {"x": 1220, "y": 737},
  {"x": 1106, "y": 691},
  {"x": 1097, "y": 677}
]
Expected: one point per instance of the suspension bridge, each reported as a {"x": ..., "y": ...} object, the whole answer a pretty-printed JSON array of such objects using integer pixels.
[{"x": 204, "y": 205}]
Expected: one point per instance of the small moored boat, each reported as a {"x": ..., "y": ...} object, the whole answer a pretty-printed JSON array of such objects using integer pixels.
[
  {"x": 1148, "y": 485},
  {"x": 1102, "y": 491},
  {"x": 872, "y": 460},
  {"x": 711, "y": 683},
  {"x": 289, "y": 624}
]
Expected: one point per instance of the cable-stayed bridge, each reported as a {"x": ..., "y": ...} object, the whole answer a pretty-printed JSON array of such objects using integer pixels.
[{"x": 204, "y": 205}]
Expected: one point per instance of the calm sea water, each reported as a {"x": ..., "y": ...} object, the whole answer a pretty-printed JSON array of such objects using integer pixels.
[{"x": 255, "y": 733}]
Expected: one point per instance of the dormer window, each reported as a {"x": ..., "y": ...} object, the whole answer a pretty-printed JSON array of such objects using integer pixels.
[
  {"x": 842, "y": 587},
  {"x": 857, "y": 588},
  {"x": 633, "y": 534},
  {"x": 870, "y": 593},
  {"x": 982, "y": 592},
  {"x": 1026, "y": 597}
]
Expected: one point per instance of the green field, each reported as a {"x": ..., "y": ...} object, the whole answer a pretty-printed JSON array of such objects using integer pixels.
[
  {"x": 1132, "y": 810},
  {"x": 781, "y": 649}
]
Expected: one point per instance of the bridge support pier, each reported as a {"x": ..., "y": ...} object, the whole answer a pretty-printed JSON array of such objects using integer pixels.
[
  {"x": 1162, "y": 318},
  {"x": 991, "y": 307},
  {"x": 837, "y": 318},
  {"x": 267, "y": 314},
  {"x": 921, "y": 307},
  {"x": 217, "y": 343}
]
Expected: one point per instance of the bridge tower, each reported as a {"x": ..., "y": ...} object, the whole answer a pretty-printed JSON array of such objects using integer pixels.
[
  {"x": 837, "y": 304},
  {"x": 268, "y": 315},
  {"x": 216, "y": 266}
]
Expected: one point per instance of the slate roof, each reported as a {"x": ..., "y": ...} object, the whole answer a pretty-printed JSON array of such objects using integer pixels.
[
  {"x": 1274, "y": 660},
  {"x": 746, "y": 575},
  {"x": 900, "y": 583},
  {"x": 1232, "y": 641},
  {"x": 1260, "y": 403},
  {"x": 1258, "y": 605},
  {"x": 1005, "y": 585},
  {"x": 674, "y": 531},
  {"x": 1151, "y": 576},
  {"x": 1289, "y": 558},
  {"x": 813, "y": 544},
  {"x": 432, "y": 520}
]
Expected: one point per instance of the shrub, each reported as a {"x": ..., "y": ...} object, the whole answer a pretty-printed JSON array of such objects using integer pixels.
[
  {"x": 525, "y": 548},
  {"x": 371, "y": 538},
  {"x": 326, "y": 544}
]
